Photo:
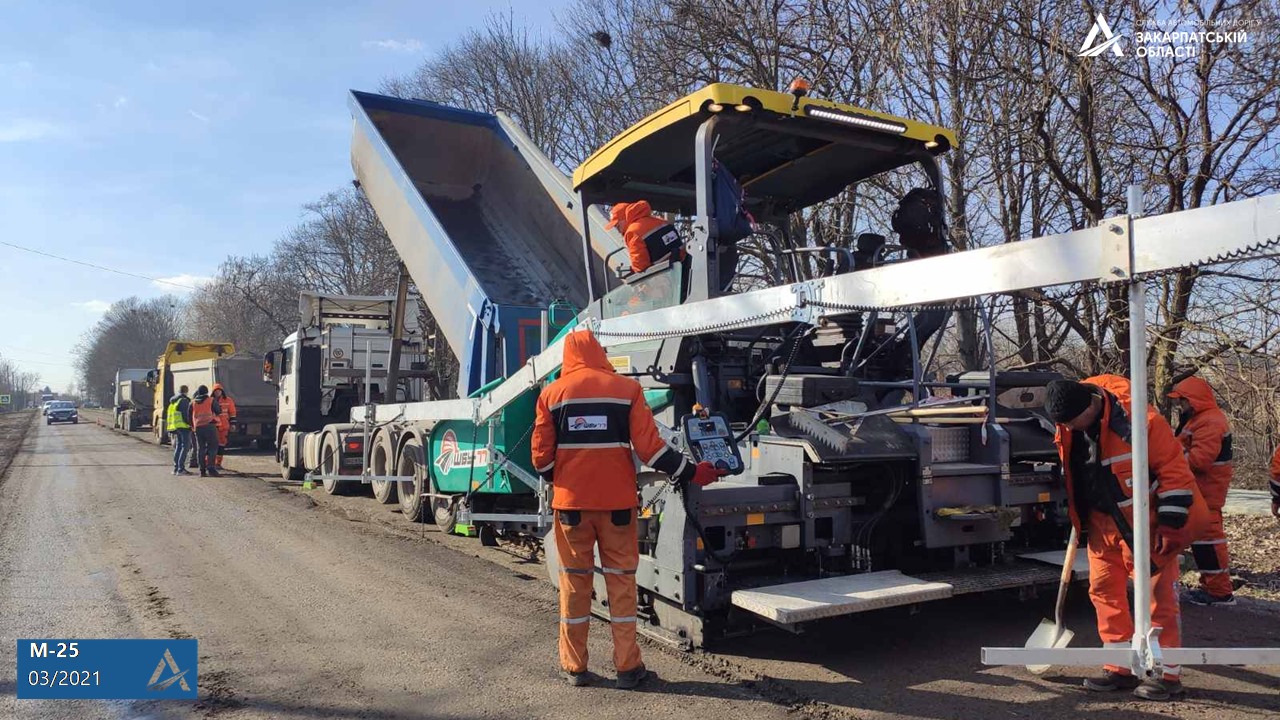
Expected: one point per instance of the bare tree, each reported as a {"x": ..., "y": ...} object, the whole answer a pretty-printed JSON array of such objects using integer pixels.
[{"x": 131, "y": 333}]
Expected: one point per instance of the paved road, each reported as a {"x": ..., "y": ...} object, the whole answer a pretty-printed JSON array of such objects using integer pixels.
[
  {"x": 1248, "y": 502},
  {"x": 317, "y": 606}
]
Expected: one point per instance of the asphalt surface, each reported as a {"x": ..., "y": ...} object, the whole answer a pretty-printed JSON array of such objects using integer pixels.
[{"x": 307, "y": 605}]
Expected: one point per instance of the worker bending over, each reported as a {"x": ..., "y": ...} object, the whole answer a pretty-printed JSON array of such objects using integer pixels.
[
  {"x": 1206, "y": 441},
  {"x": 1093, "y": 436},
  {"x": 589, "y": 422},
  {"x": 226, "y": 418}
]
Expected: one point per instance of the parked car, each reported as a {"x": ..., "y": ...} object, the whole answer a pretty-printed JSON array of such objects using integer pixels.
[
  {"x": 44, "y": 406},
  {"x": 61, "y": 411}
]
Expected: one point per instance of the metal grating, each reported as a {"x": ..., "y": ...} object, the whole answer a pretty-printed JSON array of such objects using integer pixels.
[{"x": 950, "y": 444}]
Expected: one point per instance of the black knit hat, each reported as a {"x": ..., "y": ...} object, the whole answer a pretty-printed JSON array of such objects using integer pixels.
[{"x": 1065, "y": 399}]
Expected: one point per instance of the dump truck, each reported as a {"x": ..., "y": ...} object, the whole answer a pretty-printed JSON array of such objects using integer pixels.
[
  {"x": 241, "y": 379},
  {"x": 160, "y": 379},
  {"x": 857, "y": 482},
  {"x": 132, "y": 399},
  {"x": 341, "y": 357}
]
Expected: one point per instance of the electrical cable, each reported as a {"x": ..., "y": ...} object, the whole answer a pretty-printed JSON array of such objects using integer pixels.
[
  {"x": 98, "y": 267},
  {"x": 786, "y": 370}
]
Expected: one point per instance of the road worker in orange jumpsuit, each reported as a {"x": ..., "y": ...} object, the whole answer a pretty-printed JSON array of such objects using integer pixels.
[
  {"x": 589, "y": 423},
  {"x": 1275, "y": 484},
  {"x": 225, "y": 420},
  {"x": 204, "y": 418},
  {"x": 649, "y": 239},
  {"x": 1093, "y": 429},
  {"x": 1206, "y": 441}
]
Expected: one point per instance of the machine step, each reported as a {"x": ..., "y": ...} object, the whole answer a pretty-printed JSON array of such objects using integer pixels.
[{"x": 798, "y": 602}]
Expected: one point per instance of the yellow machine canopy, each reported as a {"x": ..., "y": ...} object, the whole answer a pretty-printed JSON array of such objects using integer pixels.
[{"x": 788, "y": 153}]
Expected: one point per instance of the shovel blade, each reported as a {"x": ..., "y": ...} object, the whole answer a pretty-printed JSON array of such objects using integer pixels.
[{"x": 1048, "y": 635}]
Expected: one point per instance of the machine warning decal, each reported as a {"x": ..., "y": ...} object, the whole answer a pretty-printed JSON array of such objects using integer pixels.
[
  {"x": 451, "y": 456},
  {"x": 620, "y": 363},
  {"x": 588, "y": 422}
]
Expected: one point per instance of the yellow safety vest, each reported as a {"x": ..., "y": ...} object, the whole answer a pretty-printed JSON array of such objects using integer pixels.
[{"x": 174, "y": 418}]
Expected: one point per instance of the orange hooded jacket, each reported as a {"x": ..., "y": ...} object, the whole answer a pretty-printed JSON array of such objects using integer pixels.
[
  {"x": 228, "y": 409},
  {"x": 1206, "y": 439},
  {"x": 1176, "y": 501},
  {"x": 648, "y": 238},
  {"x": 588, "y": 423}
]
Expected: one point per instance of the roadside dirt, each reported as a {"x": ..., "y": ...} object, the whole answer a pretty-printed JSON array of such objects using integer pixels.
[{"x": 13, "y": 428}]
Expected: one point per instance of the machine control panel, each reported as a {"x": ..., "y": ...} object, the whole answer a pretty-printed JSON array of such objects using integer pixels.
[{"x": 709, "y": 437}]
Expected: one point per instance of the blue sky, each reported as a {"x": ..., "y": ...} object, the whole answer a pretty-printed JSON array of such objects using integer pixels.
[{"x": 159, "y": 137}]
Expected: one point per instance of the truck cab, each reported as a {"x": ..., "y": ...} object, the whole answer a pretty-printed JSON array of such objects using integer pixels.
[{"x": 338, "y": 359}]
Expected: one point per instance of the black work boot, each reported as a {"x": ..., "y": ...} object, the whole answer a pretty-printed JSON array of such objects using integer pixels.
[
  {"x": 575, "y": 679},
  {"x": 1111, "y": 681},
  {"x": 1159, "y": 689},
  {"x": 631, "y": 679},
  {"x": 1204, "y": 597}
]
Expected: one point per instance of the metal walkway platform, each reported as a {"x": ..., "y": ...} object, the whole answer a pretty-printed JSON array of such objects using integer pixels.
[{"x": 798, "y": 602}]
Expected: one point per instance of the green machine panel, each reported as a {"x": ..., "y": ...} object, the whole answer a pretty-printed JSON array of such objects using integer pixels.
[{"x": 459, "y": 458}]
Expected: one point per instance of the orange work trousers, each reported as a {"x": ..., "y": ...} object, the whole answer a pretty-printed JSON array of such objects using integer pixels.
[
  {"x": 1212, "y": 559},
  {"x": 577, "y": 533},
  {"x": 1110, "y": 568}
]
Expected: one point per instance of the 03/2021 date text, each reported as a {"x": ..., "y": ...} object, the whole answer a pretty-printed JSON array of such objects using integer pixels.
[{"x": 63, "y": 678}]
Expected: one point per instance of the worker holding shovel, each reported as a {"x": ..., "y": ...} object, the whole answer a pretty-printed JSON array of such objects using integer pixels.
[{"x": 1093, "y": 429}]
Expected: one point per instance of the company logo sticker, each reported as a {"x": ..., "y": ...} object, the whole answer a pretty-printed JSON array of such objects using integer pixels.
[
  {"x": 588, "y": 422},
  {"x": 452, "y": 456}
]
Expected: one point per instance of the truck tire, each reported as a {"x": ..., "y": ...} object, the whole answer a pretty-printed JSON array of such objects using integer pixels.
[
  {"x": 287, "y": 471},
  {"x": 412, "y": 462},
  {"x": 330, "y": 464},
  {"x": 384, "y": 491},
  {"x": 444, "y": 510}
]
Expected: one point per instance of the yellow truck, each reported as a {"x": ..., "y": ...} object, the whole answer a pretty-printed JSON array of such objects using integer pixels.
[{"x": 160, "y": 380}]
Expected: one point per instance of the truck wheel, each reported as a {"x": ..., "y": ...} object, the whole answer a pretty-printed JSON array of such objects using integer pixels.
[
  {"x": 445, "y": 512},
  {"x": 330, "y": 463},
  {"x": 412, "y": 463},
  {"x": 384, "y": 491},
  {"x": 287, "y": 471}
]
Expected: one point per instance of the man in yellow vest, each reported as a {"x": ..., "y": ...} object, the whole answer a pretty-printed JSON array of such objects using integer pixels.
[{"x": 178, "y": 423}]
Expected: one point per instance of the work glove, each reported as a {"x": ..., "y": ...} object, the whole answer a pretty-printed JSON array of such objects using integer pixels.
[
  {"x": 1170, "y": 541},
  {"x": 705, "y": 473}
]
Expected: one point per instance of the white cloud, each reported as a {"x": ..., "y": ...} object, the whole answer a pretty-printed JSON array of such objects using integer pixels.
[
  {"x": 97, "y": 307},
  {"x": 120, "y": 102},
  {"x": 181, "y": 284},
  {"x": 18, "y": 130},
  {"x": 408, "y": 45},
  {"x": 198, "y": 116}
]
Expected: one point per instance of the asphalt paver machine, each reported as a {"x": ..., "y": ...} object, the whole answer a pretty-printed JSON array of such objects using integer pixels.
[{"x": 860, "y": 482}]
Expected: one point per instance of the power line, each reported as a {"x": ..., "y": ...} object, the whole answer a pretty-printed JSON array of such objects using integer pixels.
[{"x": 97, "y": 267}]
